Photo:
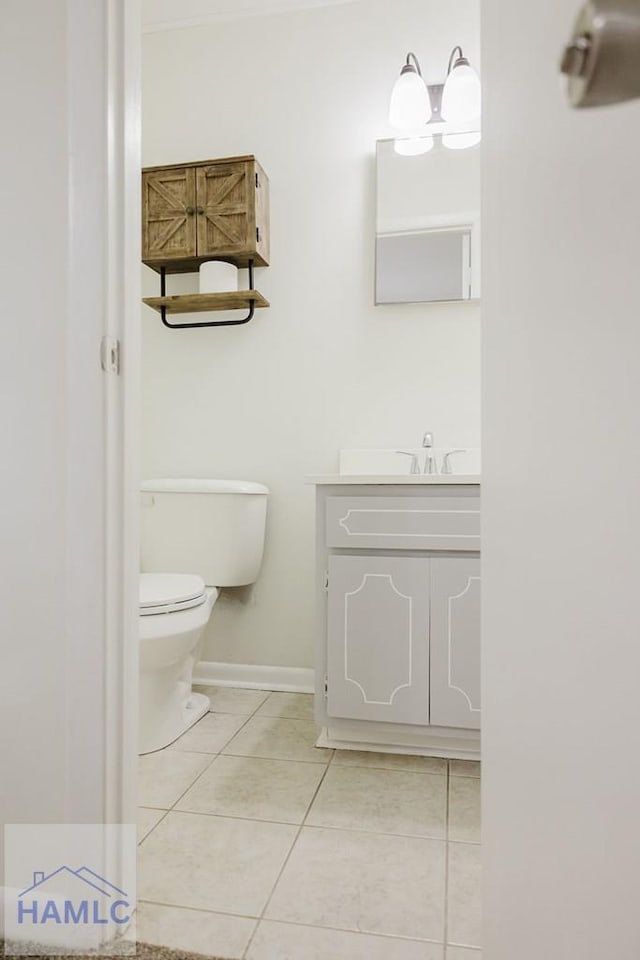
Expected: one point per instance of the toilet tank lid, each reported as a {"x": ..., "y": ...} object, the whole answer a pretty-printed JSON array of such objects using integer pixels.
[{"x": 203, "y": 486}]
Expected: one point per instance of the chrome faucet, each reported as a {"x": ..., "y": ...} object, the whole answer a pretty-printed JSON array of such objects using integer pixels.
[
  {"x": 415, "y": 463},
  {"x": 446, "y": 461},
  {"x": 430, "y": 465}
]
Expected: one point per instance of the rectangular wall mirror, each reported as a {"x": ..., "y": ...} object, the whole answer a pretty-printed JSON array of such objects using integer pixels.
[{"x": 428, "y": 221}]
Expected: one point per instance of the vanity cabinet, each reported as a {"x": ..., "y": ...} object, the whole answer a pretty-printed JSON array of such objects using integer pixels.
[
  {"x": 398, "y": 656},
  {"x": 213, "y": 209}
]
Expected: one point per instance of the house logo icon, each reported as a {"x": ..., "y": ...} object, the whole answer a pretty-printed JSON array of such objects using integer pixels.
[{"x": 74, "y": 897}]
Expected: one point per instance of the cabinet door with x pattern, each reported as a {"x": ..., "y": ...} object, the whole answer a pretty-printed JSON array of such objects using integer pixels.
[{"x": 226, "y": 209}]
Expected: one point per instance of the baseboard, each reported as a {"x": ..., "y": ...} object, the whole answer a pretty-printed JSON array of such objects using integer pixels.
[{"x": 254, "y": 677}]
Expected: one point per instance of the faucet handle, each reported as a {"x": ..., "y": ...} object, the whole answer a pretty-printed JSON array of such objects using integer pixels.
[
  {"x": 427, "y": 440},
  {"x": 415, "y": 466},
  {"x": 446, "y": 460}
]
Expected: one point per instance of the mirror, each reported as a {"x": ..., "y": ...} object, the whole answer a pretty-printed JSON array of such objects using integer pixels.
[{"x": 428, "y": 221}]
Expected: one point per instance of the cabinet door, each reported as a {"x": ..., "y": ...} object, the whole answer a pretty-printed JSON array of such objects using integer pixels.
[
  {"x": 378, "y": 639},
  {"x": 455, "y": 642},
  {"x": 226, "y": 209},
  {"x": 168, "y": 214}
]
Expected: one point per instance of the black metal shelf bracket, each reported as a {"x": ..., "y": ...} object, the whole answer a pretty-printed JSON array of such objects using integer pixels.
[{"x": 205, "y": 323}]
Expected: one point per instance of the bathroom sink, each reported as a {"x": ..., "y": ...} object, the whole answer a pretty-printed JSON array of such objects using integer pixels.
[{"x": 363, "y": 462}]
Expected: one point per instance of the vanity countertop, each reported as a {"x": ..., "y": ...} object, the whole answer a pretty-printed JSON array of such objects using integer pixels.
[{"x": 390, "y": 480}]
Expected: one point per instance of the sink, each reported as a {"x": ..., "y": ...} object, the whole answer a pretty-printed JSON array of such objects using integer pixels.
[{"x": 362, "y": 462}]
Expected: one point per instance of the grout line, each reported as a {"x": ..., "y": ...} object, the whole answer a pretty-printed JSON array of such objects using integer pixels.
[
  {"x": 299, "y": 923},
  {"x": 365, "y": 933},
  {"x": 446, "y": 859},
  {"x": 320, "y": 826},
  {"x": 291, "y": 849},
  {"x": 214, "y": 757}
]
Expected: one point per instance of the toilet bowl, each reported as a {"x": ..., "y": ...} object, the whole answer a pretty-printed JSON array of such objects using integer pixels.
[
  {"x": 174, "y": 610},
  {"x": 211, "y": 533}
]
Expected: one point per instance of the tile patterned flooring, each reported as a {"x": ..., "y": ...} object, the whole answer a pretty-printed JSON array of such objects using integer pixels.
[{"x": 257, "y": 845}]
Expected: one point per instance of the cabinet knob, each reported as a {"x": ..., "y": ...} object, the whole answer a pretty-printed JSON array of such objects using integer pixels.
[
  {"x": 200, "y": 209},
  {"x": 190, "y": 211}
]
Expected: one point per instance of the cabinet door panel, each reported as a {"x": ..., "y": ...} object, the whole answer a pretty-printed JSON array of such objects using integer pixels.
[
  {"x": 455, "y": 642},
  {"x": 168, "y": 214},
  {"x": 378, "y": 643},
  {"x": 226, "y": 209}
]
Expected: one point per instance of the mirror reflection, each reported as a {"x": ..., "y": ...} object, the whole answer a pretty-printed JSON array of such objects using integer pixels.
[{"x": 428, "y": 219}]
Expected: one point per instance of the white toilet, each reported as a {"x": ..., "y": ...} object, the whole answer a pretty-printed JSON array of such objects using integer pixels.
[{"x": 209, "y": 534}]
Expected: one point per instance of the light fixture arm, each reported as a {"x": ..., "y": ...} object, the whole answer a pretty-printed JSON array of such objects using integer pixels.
[
  {"x": 456, "y": 56},
  {"x": 410, "y": 57}
]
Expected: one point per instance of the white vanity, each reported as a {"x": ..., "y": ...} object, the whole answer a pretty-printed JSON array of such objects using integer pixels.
[{"x": 398, "y": 643}]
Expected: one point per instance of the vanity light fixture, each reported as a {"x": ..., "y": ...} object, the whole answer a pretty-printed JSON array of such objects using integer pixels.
[
  {"x": 418, "y": 109},
  {"x": 410, "y": 106},
  {"x": 462, "y": 94}
]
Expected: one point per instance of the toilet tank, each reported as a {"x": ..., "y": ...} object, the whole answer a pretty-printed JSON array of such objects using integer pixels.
[{"x": 213, "y": 528}]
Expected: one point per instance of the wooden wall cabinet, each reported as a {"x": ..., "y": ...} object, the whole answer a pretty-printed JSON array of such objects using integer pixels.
[
  {"x": 210, "y": 210},
  {"x": 398, "y": 657}
]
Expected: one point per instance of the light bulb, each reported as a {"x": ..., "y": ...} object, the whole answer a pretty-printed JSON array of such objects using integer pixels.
[
  {"x": 410, "y": 106},
  {"x": 462, "y": 95},
  {"x": 461, "y": 141},
  {"x": 413, "y": 146}
]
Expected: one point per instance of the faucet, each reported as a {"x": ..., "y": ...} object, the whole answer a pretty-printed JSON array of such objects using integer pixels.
[
  {"x": 415, "y": 464},
  {"x": 430, "y": 465},
  {"x": 446, "y": 461}
]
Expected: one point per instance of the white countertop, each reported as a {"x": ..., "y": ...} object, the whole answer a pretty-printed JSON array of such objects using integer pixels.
[{"x": 421, "y": 480}]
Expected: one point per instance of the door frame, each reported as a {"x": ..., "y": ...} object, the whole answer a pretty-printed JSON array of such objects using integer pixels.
[{"x": 104, "y": 133}]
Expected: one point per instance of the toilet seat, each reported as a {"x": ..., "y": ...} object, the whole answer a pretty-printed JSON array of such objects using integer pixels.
[{"x": 169, "y": 592}]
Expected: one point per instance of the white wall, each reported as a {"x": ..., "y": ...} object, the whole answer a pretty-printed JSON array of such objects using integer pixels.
[
  {"x": 561, "y": 465},
  {"x": 322, "y": 368},
  {"x": 63, "y": 629}
]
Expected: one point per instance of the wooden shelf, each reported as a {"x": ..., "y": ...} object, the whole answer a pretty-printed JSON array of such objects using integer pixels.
[{"x": 201, "y": 302}]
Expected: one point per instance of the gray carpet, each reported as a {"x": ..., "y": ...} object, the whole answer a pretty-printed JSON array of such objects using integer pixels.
[{"x": 143, "y": 951}]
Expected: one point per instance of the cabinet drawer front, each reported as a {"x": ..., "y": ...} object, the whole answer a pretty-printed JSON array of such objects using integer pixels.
[{"x": 407, "y": 523}]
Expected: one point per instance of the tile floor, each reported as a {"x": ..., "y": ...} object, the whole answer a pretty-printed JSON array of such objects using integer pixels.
[{"x": 257, "y": 845}]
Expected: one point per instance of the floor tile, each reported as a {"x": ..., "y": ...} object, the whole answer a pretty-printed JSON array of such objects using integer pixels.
[
  {"x": 147, "y": 818},
  {"x": 464, "y": 901},
  {"x": 368, "y": 883},
  {"x": 210, "y": 734},
  {"x": 464, "y": 768},
  {"x": 164, "y": 776},
  {"x": 213, "y": 863},
  {"x": 463, "y": 953},
  {"x": 285, "y": 941},
  {"x": 233, "y": 699},
  {"x": 383, "y": 801},
  {"x": 389, "y": 761},
  {"x": 193, "y": 930},
  {"x": 464, "y": 809},
  {"x": 258, "y": 789},
  {"x": 296, "y": 706},
  {"x": 278, "y": 739}
]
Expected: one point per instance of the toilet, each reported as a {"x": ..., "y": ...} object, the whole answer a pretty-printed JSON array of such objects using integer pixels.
[{"x": 196, "y": 536}]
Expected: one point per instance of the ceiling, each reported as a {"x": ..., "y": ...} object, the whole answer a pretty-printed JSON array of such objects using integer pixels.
[{"x": 173, "y": 14}]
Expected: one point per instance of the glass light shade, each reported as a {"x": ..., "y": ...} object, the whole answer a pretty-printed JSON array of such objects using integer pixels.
[
  {"x": 461, "y": 141},
  {"x": 410, "y": 106},
  {"x": 462, "y": 95},
  {"x": 413, "y": 146}
]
